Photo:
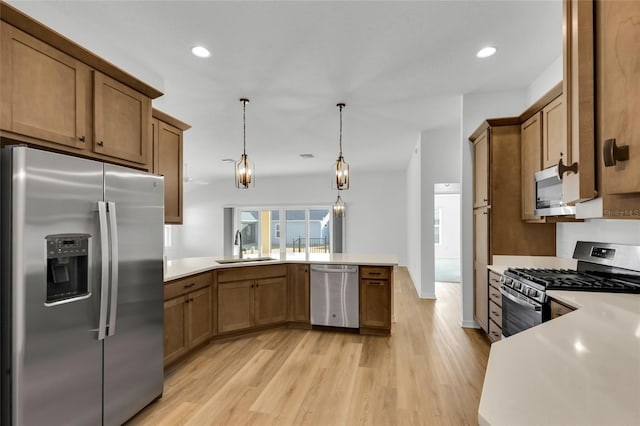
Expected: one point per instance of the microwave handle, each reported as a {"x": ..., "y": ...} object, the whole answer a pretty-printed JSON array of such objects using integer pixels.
[{"x": 562, "y": 169}]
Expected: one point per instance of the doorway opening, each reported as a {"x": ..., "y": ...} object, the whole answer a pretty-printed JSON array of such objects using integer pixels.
[{"x": 446, "y": 232}]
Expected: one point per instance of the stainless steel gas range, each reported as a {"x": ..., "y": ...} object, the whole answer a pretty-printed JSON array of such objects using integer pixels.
[{"x": 602, "y": 267}]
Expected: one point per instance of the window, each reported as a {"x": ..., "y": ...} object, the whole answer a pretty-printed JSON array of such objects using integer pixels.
[
  {"x": 437, "y": 216},
  {"x": 291, "y": 230}
]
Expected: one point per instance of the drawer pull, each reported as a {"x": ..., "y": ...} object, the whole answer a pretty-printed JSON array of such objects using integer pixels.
[
  {"x": 374, "y": 273},
  {"x": 376, "y": 283},
  {"x": 189, "y": 285},
  {"x": 494, "y": 313}
]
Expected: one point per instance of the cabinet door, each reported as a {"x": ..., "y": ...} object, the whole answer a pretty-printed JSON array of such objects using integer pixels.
[
  {"x": 43, "y": 92},
  {"x": 375, "y": 303},
  {"x": 121, "y": 119},
  {"x": 531, "y": 162},
  {"x": 270, "y": 301},
  {"x": 554, "y": 143},
  {"x": 481, "y": 170},
  {"x": 299, "y": 293},
  {"x": 167, "y": 148},
  {"x": 618, "y": 84},
  {"x": 234, "y": 306},
  {"x": 176, "y": 341},
  {"x": 481, "y": 260},
  {"x": 199, "y": 318}
]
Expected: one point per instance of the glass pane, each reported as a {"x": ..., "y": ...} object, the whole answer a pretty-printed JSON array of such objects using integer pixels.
[
  {"x": 249, "y": 230},
  {"x": 319, "y": 230},
  {"x": 296, "y": 231},
  {"x": 436, "y": 235},
  {"x": 274, "y": 233}
]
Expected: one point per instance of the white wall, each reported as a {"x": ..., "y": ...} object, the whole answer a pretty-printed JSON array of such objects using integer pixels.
[
  {"x": 449, "y": 205},
  {"x": 433, "y": 161},
  {"x": 551, "y": 76},
  {"x": 375, "y": 211},
  {"x": 598, "y": 230},
  {"x": 476, "y": 107}
]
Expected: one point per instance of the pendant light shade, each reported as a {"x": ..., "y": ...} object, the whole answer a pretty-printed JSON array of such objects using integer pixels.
[
  {"x": 338, "y": 207},
  {"x": 341, "y": 169},
  {"x": 244, "y": 169}
]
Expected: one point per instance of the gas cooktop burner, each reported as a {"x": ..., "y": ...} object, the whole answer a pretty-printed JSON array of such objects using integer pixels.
[{"x": 567, "y": 279}]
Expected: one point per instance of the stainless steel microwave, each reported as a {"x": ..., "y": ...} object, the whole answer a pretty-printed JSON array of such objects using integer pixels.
[{"x": 548, "y": 192}]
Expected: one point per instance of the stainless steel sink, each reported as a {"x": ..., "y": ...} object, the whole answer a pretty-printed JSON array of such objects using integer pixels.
[{"x": 244, "y": 260}]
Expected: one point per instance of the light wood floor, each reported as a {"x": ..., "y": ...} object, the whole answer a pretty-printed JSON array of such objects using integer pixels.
[{"x": 430, "y": 371}]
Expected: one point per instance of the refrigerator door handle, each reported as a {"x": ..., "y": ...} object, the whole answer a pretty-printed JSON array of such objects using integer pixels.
[
  {"x": 113, "y": 225},
  {"x": 104, "y": 253}
]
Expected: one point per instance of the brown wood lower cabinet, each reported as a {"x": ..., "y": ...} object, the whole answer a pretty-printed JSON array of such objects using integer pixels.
[
  {"x": 375, "y": 299},
  {"x": 558, "y": 309},
  {"x": 299, "y": 297},
  {"x": 259, "y": 300},
  {"x": 187, "y": 315}
]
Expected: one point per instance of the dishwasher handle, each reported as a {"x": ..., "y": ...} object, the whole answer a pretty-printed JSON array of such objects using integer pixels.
[{"x": 329, "y": 269}]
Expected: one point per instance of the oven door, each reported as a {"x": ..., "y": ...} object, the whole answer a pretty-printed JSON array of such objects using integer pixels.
[{"x": 518, "y": 313}]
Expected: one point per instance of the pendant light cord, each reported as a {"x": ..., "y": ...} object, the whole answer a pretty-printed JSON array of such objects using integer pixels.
[
  {"x": 244, "y": 127},
  {"x": 341, "y": 106}
]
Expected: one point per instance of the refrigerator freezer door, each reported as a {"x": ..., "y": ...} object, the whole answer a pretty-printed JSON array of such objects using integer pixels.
[
  {"x": 133, "y": 352},
  {"x": 57, "y": 359}
]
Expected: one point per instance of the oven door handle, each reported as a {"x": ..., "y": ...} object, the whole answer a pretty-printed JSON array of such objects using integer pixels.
[{"x": 534, "y": 306}]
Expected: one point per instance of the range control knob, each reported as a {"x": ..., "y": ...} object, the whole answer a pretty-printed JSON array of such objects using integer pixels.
[
  {"x": 517, "y": 285},
  {"x": 533, "y": 292},
  {"x": 507, "y": 281}
]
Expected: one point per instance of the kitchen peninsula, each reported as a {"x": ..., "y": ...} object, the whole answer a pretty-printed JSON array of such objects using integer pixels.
[{"x": 209, "y": 298}]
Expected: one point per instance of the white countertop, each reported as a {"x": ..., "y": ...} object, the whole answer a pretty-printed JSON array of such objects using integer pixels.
[
  {"x": 579, "y": 369},
  {"x": 192, "y": 265}
]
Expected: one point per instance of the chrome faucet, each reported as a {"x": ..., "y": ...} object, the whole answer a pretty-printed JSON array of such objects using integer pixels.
[{"x": 238, "y": 241}]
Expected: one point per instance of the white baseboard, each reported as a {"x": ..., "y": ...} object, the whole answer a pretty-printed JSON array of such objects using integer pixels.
[{"x": 469, "y": 324}]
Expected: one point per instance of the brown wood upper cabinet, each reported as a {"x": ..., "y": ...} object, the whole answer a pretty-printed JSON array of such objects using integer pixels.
[
  {"x": 618, "y": 106},
  {"x": 58, "y": 96},
  {"x": 554, "y": 142},
  {"x": 121, "y": 119},
  {"x": 481, "y": 170},
  {"x": 531, "y": 140},
  {"x": 167, "y": 145},
  {"x": 45, "y": 93}
]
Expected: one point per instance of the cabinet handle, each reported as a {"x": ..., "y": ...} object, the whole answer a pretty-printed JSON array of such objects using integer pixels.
[
  {"x": 613, "y": 153},
  {"x": 376, "y": 283},
  {"x": 494, "y": 312},
  {"x": 100, "y": 143},
  {"x": 485, "y": 199},
  {"x": 562, "y": 169},
  {"x": 485, "y": 212},
  {"x": 81, "y": 138},
  {"x": 374, "y": 273},
  {"x": 189, "y": 285}
]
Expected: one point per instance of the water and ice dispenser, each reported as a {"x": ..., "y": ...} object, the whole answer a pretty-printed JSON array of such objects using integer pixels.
[{"x": 67, "y": 266}]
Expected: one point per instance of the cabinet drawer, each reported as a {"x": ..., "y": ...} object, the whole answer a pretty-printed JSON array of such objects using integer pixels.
[
  {"x": 185, "y": 285},
  {"x": 494, "y": 279},
  {"x": 495, "y": 332},
  {"x": 495, "y": 313},
  {"x": 374, "y": 272},
  {"x": 251, "y": 273},
  {"x": 495, "y": 296}
]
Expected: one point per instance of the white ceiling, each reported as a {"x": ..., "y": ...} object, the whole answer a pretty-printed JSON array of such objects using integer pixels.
[{"x": 399, "y": 66}]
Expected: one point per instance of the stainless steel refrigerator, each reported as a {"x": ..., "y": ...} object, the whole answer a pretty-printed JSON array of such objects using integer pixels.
[{"x": 81, "y": 289}]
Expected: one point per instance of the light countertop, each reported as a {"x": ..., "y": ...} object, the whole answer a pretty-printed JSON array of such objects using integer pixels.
[
  {"x": 180, "y": 268},
  {"x": 582, "y": 368}
]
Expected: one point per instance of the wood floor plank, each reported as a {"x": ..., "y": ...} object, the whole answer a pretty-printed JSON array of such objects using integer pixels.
[{"x": 428, "y": 372}]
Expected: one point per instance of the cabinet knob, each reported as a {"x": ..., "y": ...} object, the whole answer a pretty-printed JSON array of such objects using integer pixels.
[
  {"x": 485, "y": 212},
  {"x": 100, "y": 143},
  {"x": 613, "y": 153},
  {"x": 485, "y": 199},
  {"x": 81, "y": 138},
  {"x": 562, "y": 169}
]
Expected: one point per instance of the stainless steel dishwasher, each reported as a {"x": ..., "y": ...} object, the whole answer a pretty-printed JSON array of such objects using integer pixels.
[{"x": 335, "y": 296}]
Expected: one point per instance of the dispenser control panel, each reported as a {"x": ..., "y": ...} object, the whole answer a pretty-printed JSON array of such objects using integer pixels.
[{"x": 67, "y": 245}]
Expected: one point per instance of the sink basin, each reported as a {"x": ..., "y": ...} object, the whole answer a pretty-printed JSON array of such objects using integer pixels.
[{"x": 248, "y": 259}]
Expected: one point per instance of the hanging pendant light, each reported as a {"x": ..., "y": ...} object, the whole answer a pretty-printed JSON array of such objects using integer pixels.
[
  {"x": 244, "y": 171},
  {"x": 338, "y": 207},
  {"x": 341, "y": 179}
]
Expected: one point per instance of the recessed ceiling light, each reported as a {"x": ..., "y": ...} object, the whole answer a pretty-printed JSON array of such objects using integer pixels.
[
  {"x": 201, "y": 52},
  {"x": 306, "y": 156},
  {"x": 486, "y": 52},
  {"x": 228, "y": 160}
]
